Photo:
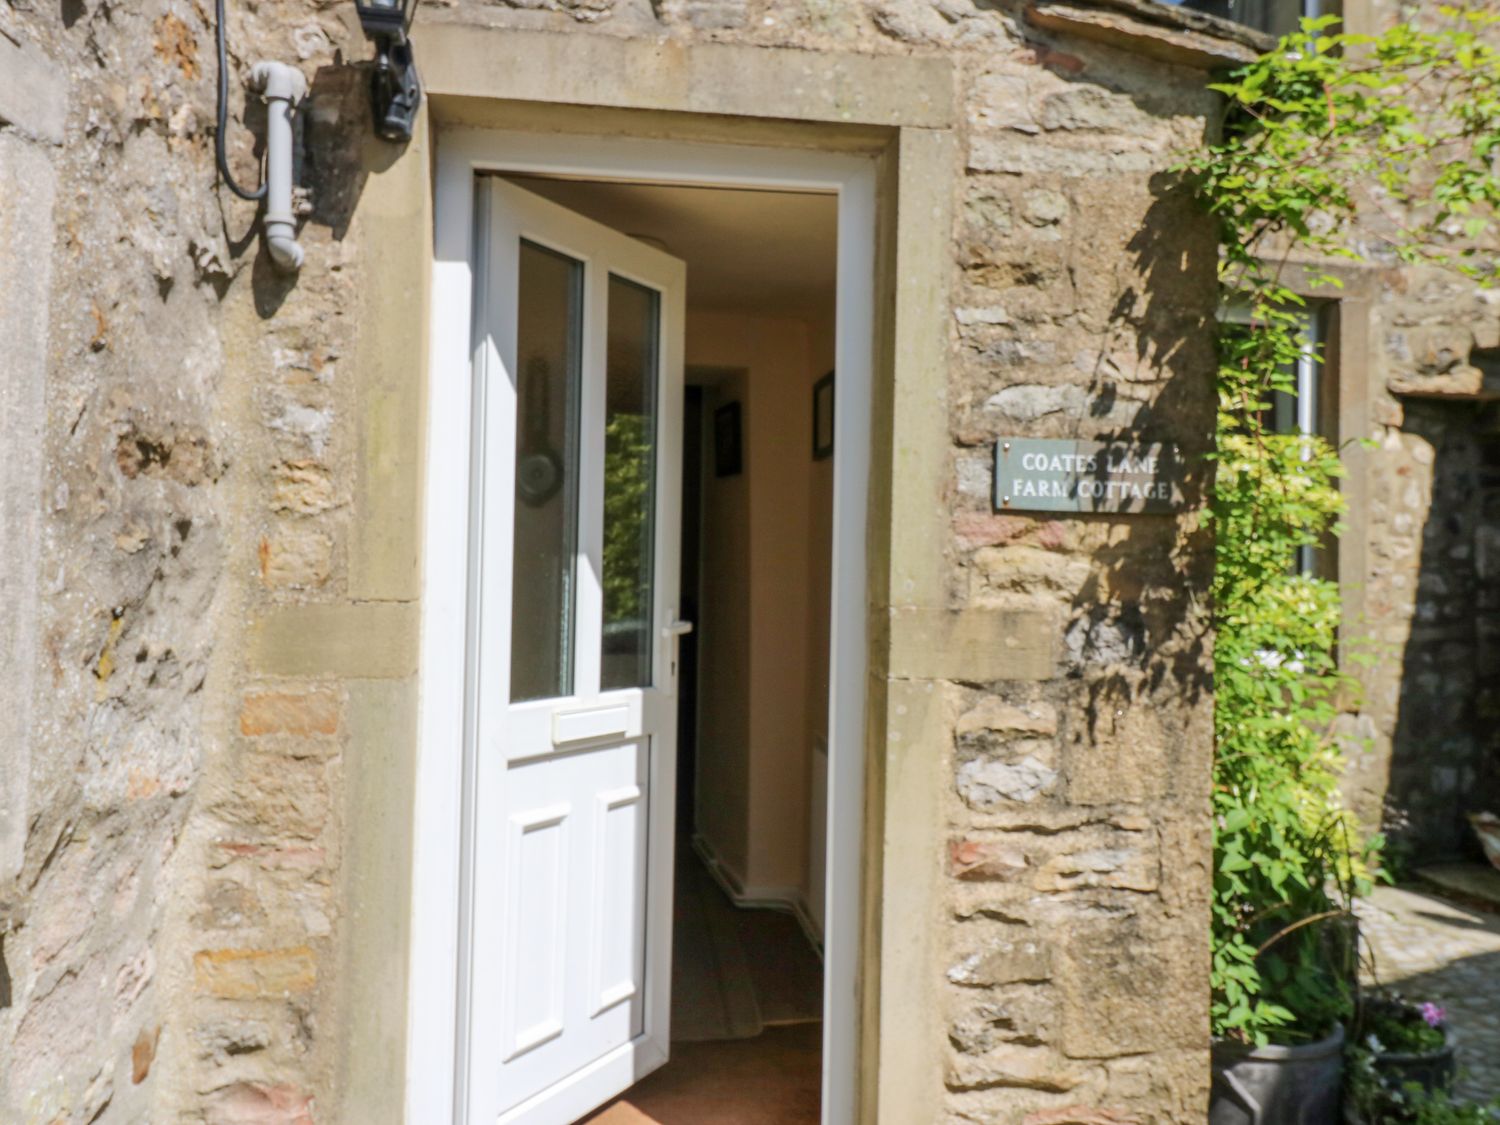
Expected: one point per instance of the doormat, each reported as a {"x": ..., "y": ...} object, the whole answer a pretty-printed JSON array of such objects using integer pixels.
[
  {"x": 736, "y": 970},
  {"x": 712, "y": 994}
]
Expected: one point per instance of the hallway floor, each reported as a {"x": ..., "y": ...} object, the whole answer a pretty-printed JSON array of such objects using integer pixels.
[
  {"x": 772, "y": 1079},
  {"x": 747, "y": 1037},
  {"x": 735, "y": 971}
]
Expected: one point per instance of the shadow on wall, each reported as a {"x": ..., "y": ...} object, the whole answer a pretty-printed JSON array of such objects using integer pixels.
[
  {"x": 336, "y": 153},
  {"x": 1134, "y": 706},
  {"x": 1124, "y": 616},
  {"x": 1445, "y": 753}
]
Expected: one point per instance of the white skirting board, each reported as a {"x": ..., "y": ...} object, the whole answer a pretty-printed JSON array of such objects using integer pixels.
[
  {"x": 788, "y": 899},
  {"x": 817, "y": 835}
]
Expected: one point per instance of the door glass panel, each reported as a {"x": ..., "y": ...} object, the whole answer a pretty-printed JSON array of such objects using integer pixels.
[
  {"x": 548, "y": 366},
  {"x": 630, "y": 423}
]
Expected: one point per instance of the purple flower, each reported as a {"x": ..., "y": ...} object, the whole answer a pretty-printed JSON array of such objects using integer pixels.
[{"x": 1433, "y": 1014}]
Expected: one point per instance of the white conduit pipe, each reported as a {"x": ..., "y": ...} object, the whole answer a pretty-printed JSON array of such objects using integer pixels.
[{"x": 283, "y": 87}]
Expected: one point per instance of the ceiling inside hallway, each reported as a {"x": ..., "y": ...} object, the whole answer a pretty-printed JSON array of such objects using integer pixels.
[{"x": 766, "y": 253}]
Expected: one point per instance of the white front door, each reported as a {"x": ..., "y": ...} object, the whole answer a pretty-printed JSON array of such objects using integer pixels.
[{"x": 576, "y": 515}]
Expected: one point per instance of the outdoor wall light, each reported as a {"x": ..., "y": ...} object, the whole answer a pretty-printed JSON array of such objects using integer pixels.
[{"x": 395, "y": 92}]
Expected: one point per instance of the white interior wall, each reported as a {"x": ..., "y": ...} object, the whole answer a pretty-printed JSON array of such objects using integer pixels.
[{"x": 781, "y": 572}]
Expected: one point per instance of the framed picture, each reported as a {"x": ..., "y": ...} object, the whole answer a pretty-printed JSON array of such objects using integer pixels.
[
  {"x": 728, "y": 453},
  {"x": 823, "y": 418}
]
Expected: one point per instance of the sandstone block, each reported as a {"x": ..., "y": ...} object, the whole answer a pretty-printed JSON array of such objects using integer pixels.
[
  {"x": 243, "y": 974},
  {"x": 992, "y": 714},
  {"x": 279, "y": 796},
  {"x": 302, "y": 487},
  {"x": 309, "y": 425},
  {"x": 1106, "y": 638},
  {"x": 1125, "y": 755},
  {"x": 1182, "y": 36},
  {"x": 1026, "y": 402},
  {"x": 910, "y": 22},
  {"x": 1119, "y": 868},
  {"x": 985, "y": 529},
  {"x": 706, "y": 15},
  {"x": 1128, "y": 992},
  {"x": 1016, "y": 957},
  {"x": 1001, "y": 101},
  {"x": 1044, "y": 207},
  {"x": 1026, "y": 157},
  {"x": 986, "y": 859},
  {"x": 1081, "y": 1115},
  {"x": 987, "y": 213},
  {"x": 1088, "y": 108},
  {"x": 977, "y": 645},
  {"x": 228, "y": 905},
  {"x": 302, "y": 714},
  {"x": 221, "y": 1040},
  {"x": 1010, "y": 1013},
  {"x": 987, "y": 783},
  {"x": 1122, "y": 854},
  {"x": 296, "y": 559},
  {"x": 1020, "y": 569},
  {"x": 1010, "y": 1064},
  {"x": 981, "y": 315}
]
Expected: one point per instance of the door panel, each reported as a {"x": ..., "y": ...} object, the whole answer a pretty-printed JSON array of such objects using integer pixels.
[
  {"x": 536, "y": 870},
  {"x": 616, "y": 968},
  {"x": 568, "y": 945},
  {"x": 575, "y": 927}
]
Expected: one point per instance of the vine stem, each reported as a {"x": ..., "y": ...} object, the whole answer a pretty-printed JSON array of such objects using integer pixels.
[{"x": 1343, "y": 912}]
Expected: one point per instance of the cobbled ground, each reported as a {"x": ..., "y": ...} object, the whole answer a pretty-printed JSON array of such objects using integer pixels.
[{"x": 1427, "y": 948}]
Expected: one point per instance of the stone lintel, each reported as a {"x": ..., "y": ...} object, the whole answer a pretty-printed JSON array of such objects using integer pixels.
[
  {"x": 1159, "y": 31},
  {"x": 465, "y": 60},
  {"x": 1464, "y": 383}
]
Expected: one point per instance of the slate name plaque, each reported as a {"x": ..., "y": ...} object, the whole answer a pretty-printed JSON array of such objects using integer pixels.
[{"x": 1041, "y": 475}]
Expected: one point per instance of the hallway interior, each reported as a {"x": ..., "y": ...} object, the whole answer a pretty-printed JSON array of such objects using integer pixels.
[{"x": 746, "y": 1017}]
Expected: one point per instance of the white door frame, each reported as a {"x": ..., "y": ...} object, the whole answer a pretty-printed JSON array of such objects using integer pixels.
[{"x": 445, "y": 742}]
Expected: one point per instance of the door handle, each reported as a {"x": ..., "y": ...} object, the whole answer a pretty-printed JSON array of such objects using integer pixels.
[{"x": 677, "y": 629}]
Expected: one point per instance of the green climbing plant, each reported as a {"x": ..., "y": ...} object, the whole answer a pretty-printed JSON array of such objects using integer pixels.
[
  {"x": 628, "y": 465},
  {"x": 1334, "y": 148}
]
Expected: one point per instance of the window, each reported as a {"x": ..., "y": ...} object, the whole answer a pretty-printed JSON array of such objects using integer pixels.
[
  {"x": 1275, "y": 17},
  {"x": 1309, "y": 410},
  {"x": 1301, "y": 412}
]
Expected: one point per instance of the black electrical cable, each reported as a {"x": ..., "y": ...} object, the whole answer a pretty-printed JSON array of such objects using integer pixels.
[{"x": 260, "y": 192}]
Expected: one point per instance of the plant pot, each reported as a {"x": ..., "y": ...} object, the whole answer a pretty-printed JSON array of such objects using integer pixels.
[
  {"x": 1277, "y": 1085},
  {"x": 1432, "y": 1070}
]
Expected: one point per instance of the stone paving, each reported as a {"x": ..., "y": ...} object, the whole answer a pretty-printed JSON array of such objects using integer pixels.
[{"x": 1431, "y": 949}]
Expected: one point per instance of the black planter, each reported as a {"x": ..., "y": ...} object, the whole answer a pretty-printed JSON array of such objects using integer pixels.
[
  {"x": 1277, "y": 1085},
  {"x": 1433, "y": 1070}
]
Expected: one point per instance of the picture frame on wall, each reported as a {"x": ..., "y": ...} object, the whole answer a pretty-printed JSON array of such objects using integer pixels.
[
  {"x": 822, "y": 426},
  {"x": 728, "y": 446}
]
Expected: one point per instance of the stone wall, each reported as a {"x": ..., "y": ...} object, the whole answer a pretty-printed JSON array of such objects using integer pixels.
[
  {"x": 1424, "y": 750},
  {"x": 175, "y": 907},
  {"x": 167, "y": 918},
  {"x": 1421, "y": 739}
]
